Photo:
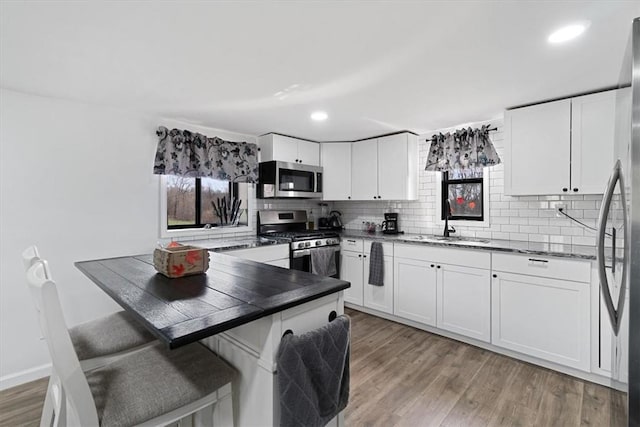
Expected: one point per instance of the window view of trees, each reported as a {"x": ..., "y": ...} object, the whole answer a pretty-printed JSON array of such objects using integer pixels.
[
  {"x": 181, "y": 200},
  {"x": 190, "y": 201}
]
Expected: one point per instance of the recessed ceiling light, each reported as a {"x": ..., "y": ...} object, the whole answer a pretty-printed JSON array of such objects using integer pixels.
[
  {"x": 567, "y": 33},
  {"x": 319, "y": 116}
]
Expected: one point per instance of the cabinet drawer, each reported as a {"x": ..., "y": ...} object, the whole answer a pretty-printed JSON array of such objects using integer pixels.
[
  {"x": 263, "y": 253},
  {"x": 535, "y": 265},
  {"x": 387, "y": 247},
  {"x": 351, "y": 244},
  {"x": 438, "y": 254}
]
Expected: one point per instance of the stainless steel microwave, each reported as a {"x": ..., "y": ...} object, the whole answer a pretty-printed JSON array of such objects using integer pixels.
[{"x": 279, "y": 180}]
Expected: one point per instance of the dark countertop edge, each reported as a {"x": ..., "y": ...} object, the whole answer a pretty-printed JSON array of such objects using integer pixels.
[
  {"x": 223, "y": 326},
  {"x": 403, "y": 239},
  {"x": 148, "y": 326},
  {"x": 230, "y": 324}
]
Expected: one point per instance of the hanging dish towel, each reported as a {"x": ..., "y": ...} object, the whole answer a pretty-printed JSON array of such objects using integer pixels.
[
  {"x": 376, "y": 265},
  {"x": 313, "y": 374},
  {"x": 323, "y": 261}
]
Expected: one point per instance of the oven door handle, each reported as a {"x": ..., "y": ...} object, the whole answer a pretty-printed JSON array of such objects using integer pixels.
[
  {"x": 301, "y": 253},
  {"x": 304, "y": 252}
]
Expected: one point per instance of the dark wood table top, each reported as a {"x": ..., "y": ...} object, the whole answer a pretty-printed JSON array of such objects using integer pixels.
[{"x": 232, "y": 292}]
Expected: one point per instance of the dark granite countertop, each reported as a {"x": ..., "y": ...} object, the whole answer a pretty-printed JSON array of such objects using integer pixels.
[
  {"x": 228, "y": 244},
  {"x": 187, "y": 309},
  {"x": 514, "y": 246}
]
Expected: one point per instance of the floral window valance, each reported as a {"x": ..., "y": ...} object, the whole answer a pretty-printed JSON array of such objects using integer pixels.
[
  {"x": 465, "y": 149},
  {"x": 185, "y": 153}
]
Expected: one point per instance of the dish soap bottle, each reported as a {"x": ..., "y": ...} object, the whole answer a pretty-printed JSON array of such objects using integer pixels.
[{"x": 311, "y": 220}]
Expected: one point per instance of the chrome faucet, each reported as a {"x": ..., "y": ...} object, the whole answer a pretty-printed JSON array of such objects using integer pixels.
[{"x": 447, "y": 215}]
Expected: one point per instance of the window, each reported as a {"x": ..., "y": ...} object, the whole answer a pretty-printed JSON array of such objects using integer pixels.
[
  {"x": 197, "y": 202},
  {"x": 465, "y": 192}
]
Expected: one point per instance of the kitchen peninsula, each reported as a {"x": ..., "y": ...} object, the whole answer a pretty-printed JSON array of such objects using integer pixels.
[{"x": 239, "y": 308}]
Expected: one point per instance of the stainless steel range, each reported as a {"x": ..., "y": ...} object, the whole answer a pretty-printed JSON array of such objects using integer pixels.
[{"x": 292, "y": 226}]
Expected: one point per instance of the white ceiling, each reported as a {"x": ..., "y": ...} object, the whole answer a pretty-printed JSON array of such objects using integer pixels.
[{"x": 256, "y": 67}]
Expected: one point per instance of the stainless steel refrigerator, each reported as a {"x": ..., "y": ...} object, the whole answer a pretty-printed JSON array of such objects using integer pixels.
[{"x": 619, "y": 237}]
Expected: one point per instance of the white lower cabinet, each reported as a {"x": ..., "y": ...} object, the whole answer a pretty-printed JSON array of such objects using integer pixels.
[
  {"x": 464, "y": 301},
  {"x": 415, "y": 290},
  {"x": 351, "y": 270},
  {"x": 252, "y": 349},
  {"x": 542, "y": 317},
  {"x": 354, "y": 267},
  {"x": 379, "y": 297}
]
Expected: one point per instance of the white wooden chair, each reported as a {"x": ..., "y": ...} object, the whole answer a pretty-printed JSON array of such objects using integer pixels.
[
  {"x": 150, "y": 387},
  {"x": 97, "y": 342},
  {"x": 102, "y": 340}
]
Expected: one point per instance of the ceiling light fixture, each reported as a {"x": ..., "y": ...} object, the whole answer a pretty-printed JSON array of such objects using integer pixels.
[
  {"x": 567, "y": 33},
  {"x": 319, "y": 116}
]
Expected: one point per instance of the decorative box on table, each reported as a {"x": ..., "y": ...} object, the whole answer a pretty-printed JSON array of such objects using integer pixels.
[{"x": 182, "y": 260}]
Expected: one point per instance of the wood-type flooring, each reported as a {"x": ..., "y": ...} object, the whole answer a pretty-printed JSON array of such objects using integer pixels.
[{"x": 402, "y": 376}]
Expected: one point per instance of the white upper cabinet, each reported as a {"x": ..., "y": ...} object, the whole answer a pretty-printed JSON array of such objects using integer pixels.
[
  {"x": 563, "y": 147},
  {"x": 287, "y": 149},
  {"x": 336, "y": 165},
  {"x": 364, "y": 170},
  {"x": 385, "y": 168},
  {"x": 309, "y": 152},
  {"x": 593, "y": 127},
  {"x": 397, "y": 167},
  {"x": 538, "y": 149}
]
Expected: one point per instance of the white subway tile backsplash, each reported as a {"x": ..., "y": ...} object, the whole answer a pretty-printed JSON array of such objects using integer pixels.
[
  {"x": 583, "y": 240},
  {"x": 518, "y": 220}
]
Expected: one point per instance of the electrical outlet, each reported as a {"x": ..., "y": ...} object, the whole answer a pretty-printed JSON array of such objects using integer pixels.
[{"x": 560, "y": 207}]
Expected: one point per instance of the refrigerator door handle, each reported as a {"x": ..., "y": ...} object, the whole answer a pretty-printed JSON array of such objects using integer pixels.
[{"x": 615, "y": 314}]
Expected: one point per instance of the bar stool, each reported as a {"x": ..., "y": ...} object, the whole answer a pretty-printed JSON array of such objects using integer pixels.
[
  {"x": 100, "y": 341},
  {"x": 149, "y": 387}
]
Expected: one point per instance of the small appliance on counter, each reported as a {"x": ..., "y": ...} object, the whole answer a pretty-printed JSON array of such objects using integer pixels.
[
  {"x": 390, "y": 223},
  {"x": 331, "y": 222}
]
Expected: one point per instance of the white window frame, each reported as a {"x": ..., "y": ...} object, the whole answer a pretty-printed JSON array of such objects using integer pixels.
[
  {"x": 485, "y": 223},
  {"x": 166, "y": 233}
]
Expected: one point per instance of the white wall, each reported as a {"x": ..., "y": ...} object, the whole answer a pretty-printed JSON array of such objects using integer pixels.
[{"x": 76, "y": 180}]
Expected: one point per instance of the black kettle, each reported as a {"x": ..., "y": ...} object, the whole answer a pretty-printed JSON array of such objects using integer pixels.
[{"x": 335, "y": 220}]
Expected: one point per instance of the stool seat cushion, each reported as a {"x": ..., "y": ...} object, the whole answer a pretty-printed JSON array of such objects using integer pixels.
[
  {"x": 108, "y": 335},
  {"x": 155, "y": 381}
]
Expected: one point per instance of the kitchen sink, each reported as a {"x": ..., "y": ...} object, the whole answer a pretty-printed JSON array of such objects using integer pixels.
[{"x": 450, "y": 239}]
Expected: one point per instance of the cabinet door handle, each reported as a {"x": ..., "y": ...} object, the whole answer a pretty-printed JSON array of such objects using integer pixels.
[
  {"x": 495, "y": 275},
  {"x": 433, "y": 265},
  {"x": 349, "y": 197},
  {"x": 364, "y": 256},
  {"x": 575, "y": 190},
  {"x": 538, "y": 260},
  {"x": 359, "y": 255},
  {"x": 351, "y": 241},
  {"x": 565, "y": 189},
  {"x": 438, "y": 266}
]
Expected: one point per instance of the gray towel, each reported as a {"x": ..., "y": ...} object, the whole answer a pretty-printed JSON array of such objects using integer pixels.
[
  {"x": 313, "y": 374},
  {"x": 323, "y": 261},
  {"x": 376, "y": 265}
]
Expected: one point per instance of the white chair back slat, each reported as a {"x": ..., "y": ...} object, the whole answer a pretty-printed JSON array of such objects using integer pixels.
[
  {"x": 65, "y": 361},
  {"x": 30, "y": 256}
]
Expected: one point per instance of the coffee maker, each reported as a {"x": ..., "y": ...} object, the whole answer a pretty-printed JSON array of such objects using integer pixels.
[{"x": 390, "y": 223}]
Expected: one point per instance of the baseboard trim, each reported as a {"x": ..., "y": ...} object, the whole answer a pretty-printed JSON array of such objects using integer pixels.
[{"x": 25, "y": 376}]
